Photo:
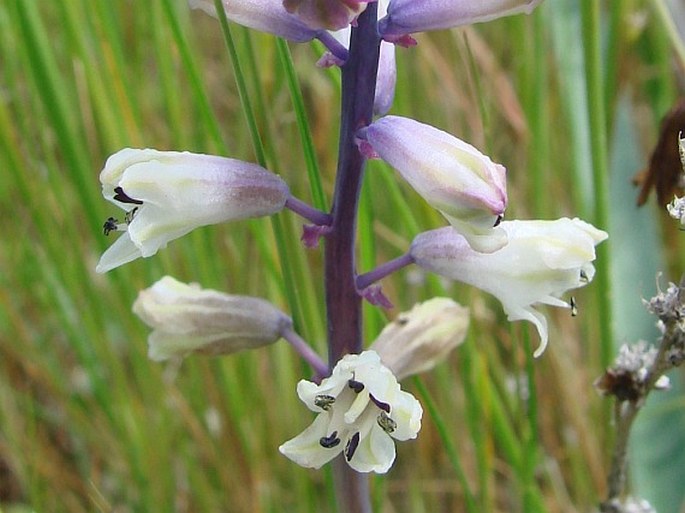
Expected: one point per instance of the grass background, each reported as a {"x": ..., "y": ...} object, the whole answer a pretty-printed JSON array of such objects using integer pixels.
[{"x": 569, "y": 99}]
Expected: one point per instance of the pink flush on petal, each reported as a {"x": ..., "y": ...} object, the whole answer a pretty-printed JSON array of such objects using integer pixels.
[{"x": 325, "y": 14}]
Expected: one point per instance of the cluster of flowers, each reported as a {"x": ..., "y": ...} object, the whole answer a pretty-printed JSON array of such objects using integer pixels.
[{"x": 360, "y": 405}]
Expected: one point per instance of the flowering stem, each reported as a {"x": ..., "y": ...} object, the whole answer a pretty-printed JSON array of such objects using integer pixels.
[
  {"x": 308, "y": 212},
  {"x": 306, "y": 352},
  {"x": 383, "y": 270},
  {"x": 343, "y": 304}
]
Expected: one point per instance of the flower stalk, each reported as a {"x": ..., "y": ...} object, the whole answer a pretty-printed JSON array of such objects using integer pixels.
[{"x": 343, "y": 304}]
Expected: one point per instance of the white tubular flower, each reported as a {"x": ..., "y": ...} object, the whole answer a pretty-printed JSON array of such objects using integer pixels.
[
  {"x": 361, "y": 409},
  {"x": 325, "y": 14},
  {"x": 542, "y": 260},
  {"x": 188, "y": 319},
  {"x": 466, "y": 186},
  {"x": 417, "y": 340},
  {"x": 167, "y": 194},
  {"x": 409, "y": 16}
]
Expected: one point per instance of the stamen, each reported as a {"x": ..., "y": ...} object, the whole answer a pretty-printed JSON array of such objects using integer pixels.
[
  {"x": 498, "y": 221},
  {"x": 383, "y": 406},
  {"x": 352, "y": 445},
  {"x": 357, "y": 386},
  {"x": 323, "y": 401},
  {"x": 124, "y": 198},
  {"x": 386, "y": 423},
  {"x": 574, "y": 307},
  {"x": 130, "y": 215},
  {"x": 110, "y": 225},
  {"x": 583, "y": 277},
  {"x": 328, "y": 442}
]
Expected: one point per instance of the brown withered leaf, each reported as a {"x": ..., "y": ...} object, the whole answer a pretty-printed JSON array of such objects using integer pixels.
[{"x": 665, "y": 170}]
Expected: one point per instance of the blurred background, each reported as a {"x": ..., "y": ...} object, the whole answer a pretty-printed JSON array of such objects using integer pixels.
[{"x": 88, "y": 423}]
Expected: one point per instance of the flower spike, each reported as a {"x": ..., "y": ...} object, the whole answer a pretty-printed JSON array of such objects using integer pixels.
[
  {"x": 167, "y": 194},
  {"x": 542, "y": 260}
]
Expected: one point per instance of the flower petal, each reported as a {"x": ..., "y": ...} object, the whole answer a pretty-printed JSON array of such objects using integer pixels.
[
  {"x": 375, "y": 453},
  {"x": 306, "y": 450},
  {"x": 121, "y": 252}
]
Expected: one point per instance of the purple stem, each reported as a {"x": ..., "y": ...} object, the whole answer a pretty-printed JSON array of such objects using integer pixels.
[
  {"x": 308, "y": 212},
  {"x": 306, "y": 351},
  {"x": 383, "y": 270},
  {"x": 333, "y": 46},
  {"x": 343, "y": 304}
]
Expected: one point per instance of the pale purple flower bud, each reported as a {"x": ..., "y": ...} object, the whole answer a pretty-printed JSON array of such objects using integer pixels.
[
  {"x": 263, "y": 15},
  {"x": 541, "y": 261},
  {"x": 409, "y": 16},
  {"x": 325, "y": 14},
  {"x": 453, "y": 176},
  {"x": 188, "y": 319},
  {"x": 167, "y": 194},
  {"x": 417, "y": 340}
]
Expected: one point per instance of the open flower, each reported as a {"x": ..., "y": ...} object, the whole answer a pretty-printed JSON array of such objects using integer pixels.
[
  {"x": 325, "y": 14},
  {"x": 361, "y": 409},
  {"x": 409, "y": 16},
  {"x": 417, "y": 340},
  {"x": 166, "y": 194},
  {"x": 188, "y": 319},
  {"x": 542, "y": 260},
  {"x": 453, "y": 176}
]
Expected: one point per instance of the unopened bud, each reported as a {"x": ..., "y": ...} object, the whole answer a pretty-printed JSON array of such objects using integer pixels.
[
  {"x": 417, "y": 340},
  {"x": 188, "y": 319}
]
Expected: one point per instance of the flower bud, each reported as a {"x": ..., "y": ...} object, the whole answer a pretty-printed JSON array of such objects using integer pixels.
[
  {"x": 325, "y": 14},
  {"x": 188, "y": 319},
  {"x": 167, "y": 194},
  {"x": 453, "y": 176},
  {"x": 409, "y": 16},
  {"x": 417, "y": 340},
  {"x": 263, "y": 15},
  {"x": 541, "y": 261}
]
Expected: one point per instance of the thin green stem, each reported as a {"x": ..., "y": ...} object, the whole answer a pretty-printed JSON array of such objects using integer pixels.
[{"x": 590, "y": 10}]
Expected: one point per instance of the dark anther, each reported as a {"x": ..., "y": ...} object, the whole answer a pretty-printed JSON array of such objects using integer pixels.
[
  {"x": 130, "y": 215},
  {"x": 328, "y": 442},
  {"x": 498, "y": 221},
  {"x": 110, "y": 225},
  {"x": 324, "y": 401},
  {"x": 351, "y": 446},
  {"x": 357, "y": 386},
  {"x": 583, "y": 276},
  {"x": 574, "y": 307},
  {"x": 383, "y": 406},
  {"x": 121, "y": 196},
  {"x": 386, "y": 423}
]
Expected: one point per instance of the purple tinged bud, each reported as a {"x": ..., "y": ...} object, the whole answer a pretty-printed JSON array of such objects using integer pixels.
[
  {"x": 453, "y": 176},
  {"x": 409, "y": 16},
  {"x": 188, "y": 319},
  {"x": 264, "y": 15}
]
